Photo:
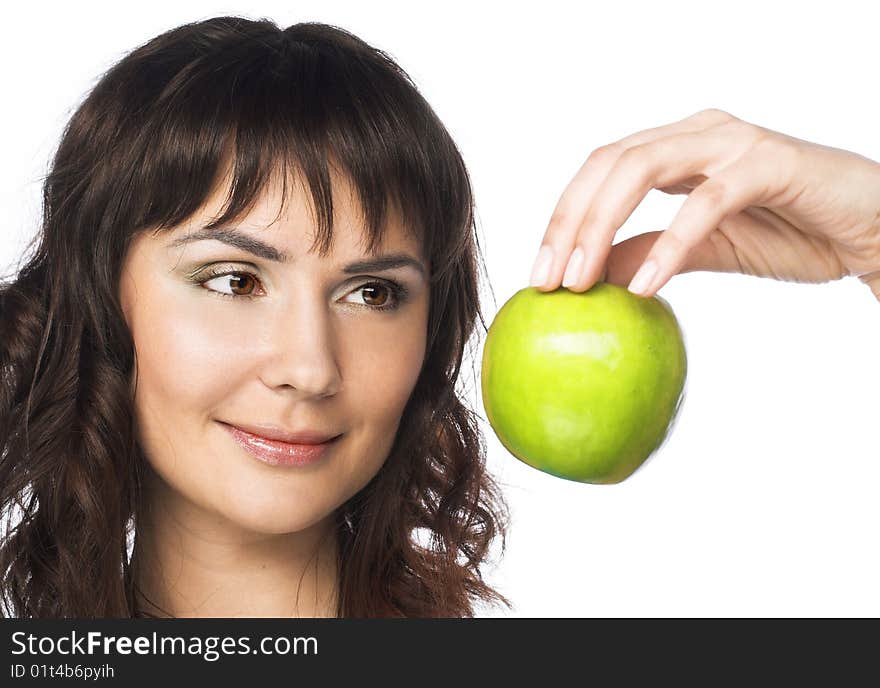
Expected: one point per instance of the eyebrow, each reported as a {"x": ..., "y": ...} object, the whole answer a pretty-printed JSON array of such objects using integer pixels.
[{"x": 266, "y": 251}]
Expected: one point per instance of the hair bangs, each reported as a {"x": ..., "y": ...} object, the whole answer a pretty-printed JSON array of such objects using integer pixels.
[{"x": 298, "y": 109}]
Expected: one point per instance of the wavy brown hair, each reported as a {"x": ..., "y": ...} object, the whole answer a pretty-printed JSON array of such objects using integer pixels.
[{"x": 142, "y": 153}]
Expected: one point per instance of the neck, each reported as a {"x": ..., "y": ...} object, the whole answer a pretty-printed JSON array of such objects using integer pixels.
[{"x": 188, "y": 562}]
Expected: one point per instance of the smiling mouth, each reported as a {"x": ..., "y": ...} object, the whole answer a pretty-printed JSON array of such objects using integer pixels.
[{"x": 277, "y": 453}]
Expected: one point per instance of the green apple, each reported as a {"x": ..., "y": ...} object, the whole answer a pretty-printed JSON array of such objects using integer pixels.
[{"x": 583, "y": 385}]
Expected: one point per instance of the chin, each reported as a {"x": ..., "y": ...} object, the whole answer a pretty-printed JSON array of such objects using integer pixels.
[{"x": 269, "y": 517}]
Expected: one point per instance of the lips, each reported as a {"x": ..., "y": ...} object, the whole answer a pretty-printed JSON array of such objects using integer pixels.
[
  {"x": 276, "y": 452},
  {"x": 273, "y": 432}
]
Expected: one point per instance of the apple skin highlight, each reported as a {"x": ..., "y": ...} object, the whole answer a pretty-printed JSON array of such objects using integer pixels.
[{"x": 584, "y": 386}]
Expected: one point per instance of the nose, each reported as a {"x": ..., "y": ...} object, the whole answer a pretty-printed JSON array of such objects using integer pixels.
[{"x": 302, "y": 353}]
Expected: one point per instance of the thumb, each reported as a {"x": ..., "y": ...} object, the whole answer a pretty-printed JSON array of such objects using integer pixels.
[{"x": 626, "y": 257}]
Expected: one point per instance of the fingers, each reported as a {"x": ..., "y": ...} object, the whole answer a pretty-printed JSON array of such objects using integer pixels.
[
  {"x": 741, "y": 184},
  {"x": 725, "y": 167},
  {"x": 639, "y": 169},
  {"x": 577, "y": 197}
]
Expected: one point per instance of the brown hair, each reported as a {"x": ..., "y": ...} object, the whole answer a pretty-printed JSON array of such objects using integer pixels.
[{"x": 143, "y": 150}]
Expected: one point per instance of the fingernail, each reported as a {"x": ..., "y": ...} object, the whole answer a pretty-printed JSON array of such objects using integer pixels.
[
  {"x": 541, "y": 268},
  {"x": 573, "y": 271},
  {"x": 643, "y": 277}
]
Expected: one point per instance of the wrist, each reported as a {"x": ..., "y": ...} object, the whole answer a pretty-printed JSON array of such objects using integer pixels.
[{"x": 872, "y": 280}]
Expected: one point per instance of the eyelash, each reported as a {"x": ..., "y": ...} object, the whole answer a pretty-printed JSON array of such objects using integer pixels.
[{"x": 399, "y": 293}]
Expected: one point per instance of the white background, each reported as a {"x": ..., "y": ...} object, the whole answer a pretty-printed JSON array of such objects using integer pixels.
[{"x": 763, "y": 500}]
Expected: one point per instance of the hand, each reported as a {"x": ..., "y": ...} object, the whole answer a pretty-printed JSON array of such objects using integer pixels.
[{"x": 759, "y": 203}]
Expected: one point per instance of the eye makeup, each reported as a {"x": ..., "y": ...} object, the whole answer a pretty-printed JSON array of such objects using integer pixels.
[{"x": 399, "y": 294}]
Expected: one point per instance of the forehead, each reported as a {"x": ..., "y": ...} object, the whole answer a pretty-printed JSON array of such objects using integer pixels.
[{"x": 293, "y": 228}]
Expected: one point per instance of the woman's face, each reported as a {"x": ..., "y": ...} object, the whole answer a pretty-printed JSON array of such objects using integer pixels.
[{"x": 302, "y": 344}]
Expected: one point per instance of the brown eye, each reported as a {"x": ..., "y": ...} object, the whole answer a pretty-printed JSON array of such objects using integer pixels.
[
  {"x": 381, "y": 295},
  {"x": 370, "y": 291},
  {"x": 243, "y": 282}
]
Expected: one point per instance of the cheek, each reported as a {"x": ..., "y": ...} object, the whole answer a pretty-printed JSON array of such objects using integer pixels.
[
  {"x": 383, "y": 363},
  {"x": 379, "y": 380},
  {"x": 185, "y": 367},
  {"x": 184, "y": 359}
]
